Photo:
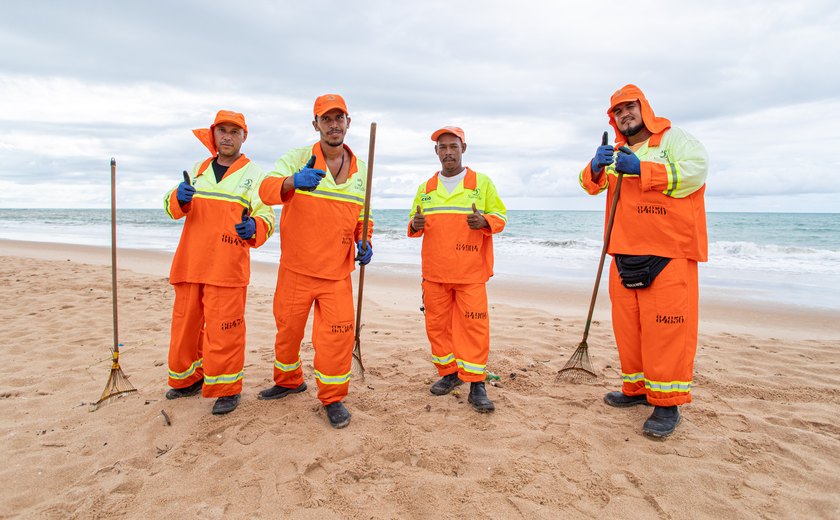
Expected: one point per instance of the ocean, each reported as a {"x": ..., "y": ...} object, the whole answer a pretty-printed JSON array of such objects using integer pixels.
[{"x": 788, "y": 258}]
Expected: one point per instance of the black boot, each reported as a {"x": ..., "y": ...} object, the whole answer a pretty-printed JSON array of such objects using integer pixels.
[
  {"x": 337, "y": 414},
  {"x": 176, "y": 393},
  {"x": 225, "y": 404},
  {"x": 621, "y": 400},
  {"x": 662, "y": 422},
  {"x": 276, "y": 392},
  {"x": 478, "y": 398},
  {"x": 446, "y": 384}
]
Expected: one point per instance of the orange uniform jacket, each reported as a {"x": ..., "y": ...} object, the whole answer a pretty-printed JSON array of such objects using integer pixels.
[
  {"x": 210, "y": 251},
  {"x": 318, "y": 229},
  {"x": 451, "y": 251},
  {"x": 662, "y": 211}
]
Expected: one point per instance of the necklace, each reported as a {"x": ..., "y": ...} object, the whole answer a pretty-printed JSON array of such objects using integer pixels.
[{"x": 340, "y": 166}]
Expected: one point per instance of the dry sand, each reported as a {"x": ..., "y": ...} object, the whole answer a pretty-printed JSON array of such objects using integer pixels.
[{"x": 761, "y": 439}]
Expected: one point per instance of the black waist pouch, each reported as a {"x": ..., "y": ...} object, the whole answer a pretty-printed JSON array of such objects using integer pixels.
[{"x": 638, "y": 272}]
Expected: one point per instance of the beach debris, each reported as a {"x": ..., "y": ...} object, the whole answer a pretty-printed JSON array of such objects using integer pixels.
[
  {"x": 496, "y": 384},
  {"x": 492, "y": 377},
  {"x": 166, "y": 420},
  {"x": 161, "y": 451},
  {"x": 428, "y": 408},
  {"x": 513, "y": 375}
]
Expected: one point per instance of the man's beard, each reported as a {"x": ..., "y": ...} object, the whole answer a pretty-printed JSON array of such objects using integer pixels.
[{"x": 633, "y": 130}]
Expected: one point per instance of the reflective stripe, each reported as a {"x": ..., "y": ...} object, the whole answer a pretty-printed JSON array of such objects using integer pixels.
[
  {"x": 497, "y": 214},
  {"x": 632, "y": 378},
  {"x": 472, "y": 368},
  {"x": 668, "y": 386},
  {"x": 673, "y": 174},
  {"x": 221, "y": 196},
  {"x": 188, "y": 372},
  {"x": 457, "y": 209},
  {"x": 224, "y": 379},
  {"x": 166, "y": 203},
  {"x": 269, "y": 223},
  {"x": 287, "y": 368},
  {"x": 332, "y": 380},
  {"x": 327, "y": 194},
  {"x": 445, "y": 360}
]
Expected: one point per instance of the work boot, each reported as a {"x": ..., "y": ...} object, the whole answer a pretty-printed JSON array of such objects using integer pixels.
[
  {"x": 622, "y": 400},
  {"x": 276, "y": 392},
  {"x": 662, "y": 422},
  {"x": 176, "y": 393},
  {"x": 225, "y": 404},
  {"x": 478, "y": 398},
  {"x": 446, "y": 384},
  {"x": 337, "y": 414}
]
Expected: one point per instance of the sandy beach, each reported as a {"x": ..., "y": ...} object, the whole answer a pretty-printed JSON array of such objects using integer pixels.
[{"x": 760, "y": 440}]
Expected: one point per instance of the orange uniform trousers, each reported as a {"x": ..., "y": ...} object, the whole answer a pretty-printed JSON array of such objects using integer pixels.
[
  {"x": 656, "y": 333},
  {"x": 458, "y": 328},
  {"x": 208, "y": 338},
  {"x": 332, "y": 332}
]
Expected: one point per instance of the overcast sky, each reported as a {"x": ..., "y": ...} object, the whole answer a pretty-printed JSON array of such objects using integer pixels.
[{"x": 529, "y": 81}]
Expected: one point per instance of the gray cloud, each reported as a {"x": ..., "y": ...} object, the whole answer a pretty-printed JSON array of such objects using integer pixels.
[{"x": 529, "y": 82}]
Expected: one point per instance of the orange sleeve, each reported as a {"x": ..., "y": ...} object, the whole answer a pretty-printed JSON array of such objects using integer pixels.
[
  {"x": 586, "y": 182},
  {"x": 271, "y": 191},
  {"x": 174, "y": 207}
]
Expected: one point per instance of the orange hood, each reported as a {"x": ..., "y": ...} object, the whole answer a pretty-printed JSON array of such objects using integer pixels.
[{"x": 656, "y": 125}]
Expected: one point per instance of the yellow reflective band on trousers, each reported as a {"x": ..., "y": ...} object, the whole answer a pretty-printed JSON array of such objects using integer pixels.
[
  {"x": 188, "y": 372},
  {"x": 657, "y": 386},
  {"x": 445, "y": 360},
  {"x": 667, "y": 386},
  {"x": 287, "y": 368},
  {"x": 472, "y": 368},
  {"x": 332, "y": 380},
  {"x": 632, "y": 378},
  {"x": 224, "y": 379}
]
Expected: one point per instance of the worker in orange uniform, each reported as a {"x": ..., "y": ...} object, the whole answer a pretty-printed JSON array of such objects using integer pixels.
[
  {"x": 322, "y": 190},
  {"x": 457, "y": 212},
  {"x": 658, "y": 236},
  {"x": 225, "y": 218}
]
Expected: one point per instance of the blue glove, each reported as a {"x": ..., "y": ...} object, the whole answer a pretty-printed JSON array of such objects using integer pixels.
[
  {"x": 627, "y": 162},
  {"x": 247, "y": 228},
  {"x": 603, "y": 157},
  {"x": 364, "y": 256},
  {"x": 185, "y": 190},
  {"x": 307, "y": 178}
]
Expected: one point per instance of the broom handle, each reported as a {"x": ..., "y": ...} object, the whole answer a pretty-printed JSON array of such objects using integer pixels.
[
  {"x": 114, "y": 251},
  {"x": 365, "y": 233},
  {"x": 603, "y": 255}
]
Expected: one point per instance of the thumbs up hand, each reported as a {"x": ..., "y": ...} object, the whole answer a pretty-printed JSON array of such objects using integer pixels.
[
  {"x": 185, "y": 190},
  {"x": 247, "y": 228},
  {"x": 419, "y": 221},
  {"x": 603, "y": 155},
  {"x": 308, "y": 178},
  {"x": 476, "y": 220}
]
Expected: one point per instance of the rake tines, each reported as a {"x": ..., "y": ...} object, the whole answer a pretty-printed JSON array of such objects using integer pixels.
[
  {"x": 117, "y": 384},
  {"x": 579, "y": 367}
]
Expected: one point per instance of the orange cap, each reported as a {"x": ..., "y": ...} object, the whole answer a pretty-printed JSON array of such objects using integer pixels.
[
  {"x": 630, "y": 92},
  {"x": 327, "y": 102},
  {"x": 228, "y": 116},
  {"x": 454, "y": 130},
  {"x": 205, "y": 135}
]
